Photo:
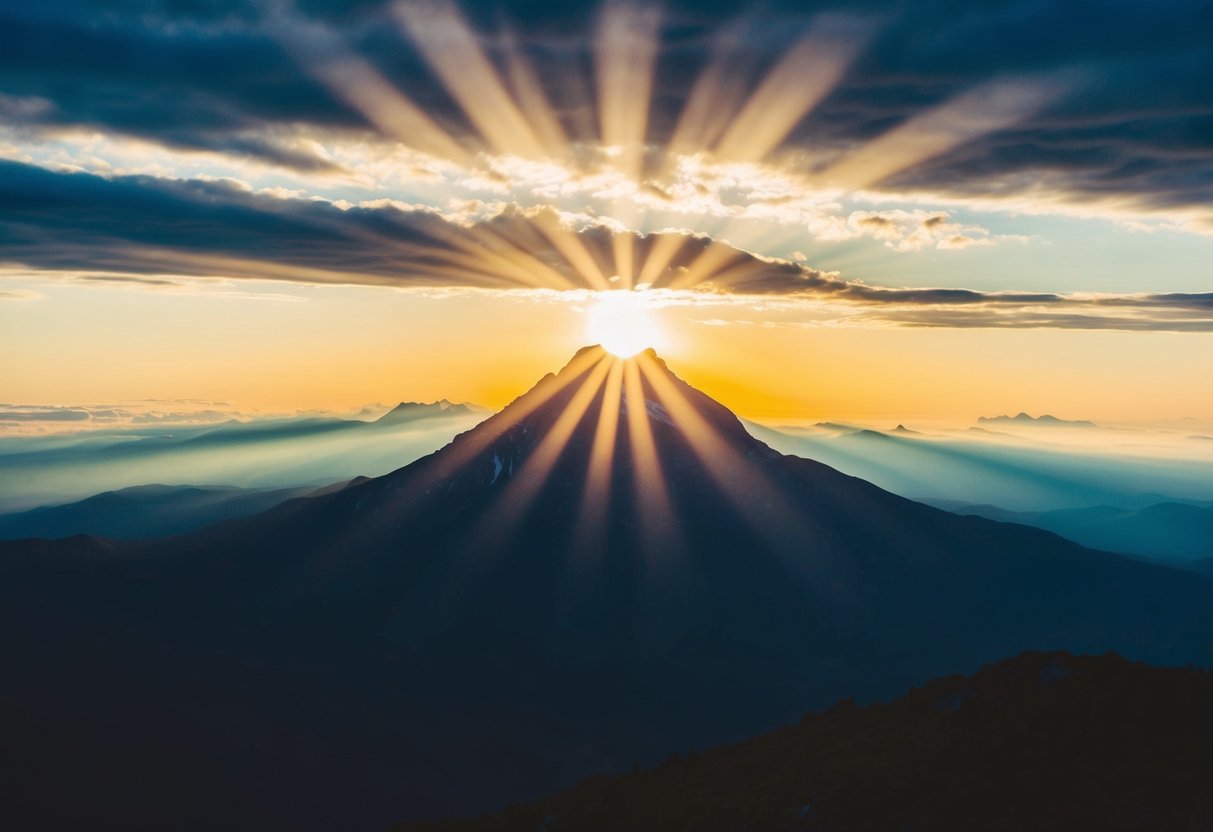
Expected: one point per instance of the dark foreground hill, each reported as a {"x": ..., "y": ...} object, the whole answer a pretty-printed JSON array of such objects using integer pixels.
[
  {"x": 609, "y": 570},
  {"x": 1044, "y": 741}
]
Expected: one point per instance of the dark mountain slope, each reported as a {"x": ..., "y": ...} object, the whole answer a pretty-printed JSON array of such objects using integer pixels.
[
  {"x": 1042, "y": 741},
  {"x": 545, "y": 598},
  {"x": 1204, "y": 566}
]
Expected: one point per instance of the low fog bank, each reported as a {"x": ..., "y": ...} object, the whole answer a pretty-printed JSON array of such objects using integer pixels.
[
  {"x": 1138, "y": 492},
  {"x": 260, "y": 454}
]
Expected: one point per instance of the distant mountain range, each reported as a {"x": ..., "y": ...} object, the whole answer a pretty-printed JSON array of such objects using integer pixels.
[
  {"x": 1173, "y": 532},
  {"x": 408, "y": 411},
  {"x": 144, "y": 511},
  {"x": 1041, "y": 741},
  {"x": 1014, "y": 476},
  {"x": 609, "y": 570},
  {"x": 259, "y": 454},
  {"x": 1039, "y": 421}
]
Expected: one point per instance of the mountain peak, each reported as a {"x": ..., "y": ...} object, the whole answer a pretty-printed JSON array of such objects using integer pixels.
[
  {"x": 595, "y": 365},
  {"x": 1045, "y": 419},
  {"x": 407, "y": 411},
  {"x": 593, "y": 373},
  {"x": 615, "y": 422},
  {"x": 598, "y": 351}
]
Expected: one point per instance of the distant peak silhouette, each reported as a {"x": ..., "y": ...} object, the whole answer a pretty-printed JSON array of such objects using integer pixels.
[
  {"x": 407, "y": 411},
  {"x": 1044, "y": 420}
]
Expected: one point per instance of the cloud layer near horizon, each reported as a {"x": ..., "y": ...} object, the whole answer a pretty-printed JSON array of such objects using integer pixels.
[{"x": 151, "y": 231}]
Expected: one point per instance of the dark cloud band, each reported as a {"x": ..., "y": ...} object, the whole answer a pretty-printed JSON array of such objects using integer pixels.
[
  {"x": 146, "y": 231},
  {"x": 1130, "y": 117}
]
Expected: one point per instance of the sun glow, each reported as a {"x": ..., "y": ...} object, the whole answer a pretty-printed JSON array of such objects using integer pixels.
[{"x": 624, "y": 324}]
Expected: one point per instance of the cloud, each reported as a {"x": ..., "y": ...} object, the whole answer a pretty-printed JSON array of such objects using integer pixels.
[
  {"x": 1108, "y": 115},
  {"x": 959, "y": 241},
  {"x": 907, "y": 231},
  {"x": 181, "y": 417},
  {"x": 51, "y": 414},
  {"x": 109, "y": 416},
  {"x": 138, "y": 229},
  {"x": 155, "y": 282},
  {"x": 1149, "y": 318},
  {"x": 142, "y": 231},
  {"x": 19, "y": 294},
  {"x": 178, "y": 84}
]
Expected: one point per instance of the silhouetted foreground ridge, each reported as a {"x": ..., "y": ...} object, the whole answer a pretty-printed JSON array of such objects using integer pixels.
[{"x": 1043, "y": 741}]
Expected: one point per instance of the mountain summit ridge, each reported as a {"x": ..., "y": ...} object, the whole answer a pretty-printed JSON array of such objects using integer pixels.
[{"x": 1044, "y": 420}]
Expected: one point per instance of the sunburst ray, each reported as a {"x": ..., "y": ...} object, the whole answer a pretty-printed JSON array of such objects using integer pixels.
[
  {"x": 511, "y": 507},
  {"x": 443, "y": 37},
  {"x": 755, "y": 497}
]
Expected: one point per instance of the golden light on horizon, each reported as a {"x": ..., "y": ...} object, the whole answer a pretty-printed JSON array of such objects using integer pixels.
[{"x": 623, "y": 324}]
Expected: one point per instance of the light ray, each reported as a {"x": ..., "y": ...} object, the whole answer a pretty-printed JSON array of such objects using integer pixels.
[
  {"x": 623, "y": 247},
  {"x": 742, "y": 483},
  {"x": 164, "y": 260},
  {"x": 736, "y": 274},
  {"x": 479, "y": 245},
  {"x": 530, "y": 95},
  {"x": 480, "y": 263},
  {"x": 662, "y": 251},
  {"x": 443, "y": 37},
  {"x": 468, "y": 447},
  {"x": 510, "y": 508},
  {"x": 650, "y": 488},
  {"x": 716, "y": 96},
  {"x": 595, "y": 500},
  {"x": 805, "y": 75},
  {"x": 715, "y": 257},
  {"x": 584, "y": 362},
  {"x": 472, "y": 253},
  {"x": 521, "y": 259},
  {"x": 982, "y": 110},
  {"x": 572, "y": 248},
  {"x": 321, "y": 54},
  {"x": 625, "y": 53}
]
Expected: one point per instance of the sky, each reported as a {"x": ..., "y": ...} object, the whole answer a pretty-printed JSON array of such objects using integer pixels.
[{"x": 864, "y": 210}]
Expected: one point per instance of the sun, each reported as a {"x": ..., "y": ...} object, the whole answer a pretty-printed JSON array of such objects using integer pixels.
[{"x": 623, "y": 323}]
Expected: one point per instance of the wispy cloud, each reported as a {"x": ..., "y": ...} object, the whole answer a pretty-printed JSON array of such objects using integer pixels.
[
  {"x": 915, "y": 230},
  {"x": 19, "y": 294},
  {"x": 45, "y": 414}
]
